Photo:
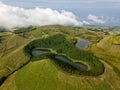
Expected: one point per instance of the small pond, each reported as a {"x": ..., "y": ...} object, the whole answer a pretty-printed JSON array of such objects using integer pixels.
[
  {"x": 82, "y": 43},
  {"x": 39, "y": 52},
  {"x": 76, "y": 65}
]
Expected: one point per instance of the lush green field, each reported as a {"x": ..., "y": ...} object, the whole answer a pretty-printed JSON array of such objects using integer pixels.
[
  {"x": 44, "y": 74},
  {"x": 12, "y": 55}
]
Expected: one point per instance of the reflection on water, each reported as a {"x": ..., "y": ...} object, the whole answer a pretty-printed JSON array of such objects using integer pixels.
[
  {"x": 61, "y": 58},
  {"x": 82, "y": 43},
  {"x": 39, "y": 52},
  {"x": 75, "y": 65}
]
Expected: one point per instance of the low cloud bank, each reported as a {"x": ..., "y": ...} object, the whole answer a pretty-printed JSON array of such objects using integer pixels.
[
  {"x": 95, "y": 19},
  {"x": 11, "y": 17}
]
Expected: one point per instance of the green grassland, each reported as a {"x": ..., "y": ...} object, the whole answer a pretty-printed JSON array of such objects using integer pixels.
[
  {"x": 5, "y": 33},
  {"x": 43, "y": 74},
  {"x": 11, "y": 54}
]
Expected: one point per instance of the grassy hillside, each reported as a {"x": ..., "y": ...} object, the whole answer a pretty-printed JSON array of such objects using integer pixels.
[
  {"x": 12, "y": 54},
  {"x": 43, "y": 74},
  {"x": 110, "y": 44},
  {"x": 108, "y": 49}
]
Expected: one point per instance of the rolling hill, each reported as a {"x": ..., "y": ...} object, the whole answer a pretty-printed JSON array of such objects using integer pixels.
[{"x": 21, "y": 70}]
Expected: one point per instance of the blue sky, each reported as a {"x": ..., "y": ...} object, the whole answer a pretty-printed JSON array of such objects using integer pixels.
[{"x": 107, "y": 10}]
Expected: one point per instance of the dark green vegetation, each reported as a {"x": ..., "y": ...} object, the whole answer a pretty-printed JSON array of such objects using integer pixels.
[
  {"x": 23, "y": 30},
  {"x": 21, "y": 71},
  {"x": 61, "y": 45}
]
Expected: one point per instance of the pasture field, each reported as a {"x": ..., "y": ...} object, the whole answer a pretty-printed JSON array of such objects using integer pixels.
[{"x": 22, "y": 73}]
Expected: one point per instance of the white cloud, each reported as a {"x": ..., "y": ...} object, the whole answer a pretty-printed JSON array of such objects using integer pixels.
[
  {"x": 11, "y": 17},
  {"x": 86, "y": 22},
  {"x": 95, "y": 19}
]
